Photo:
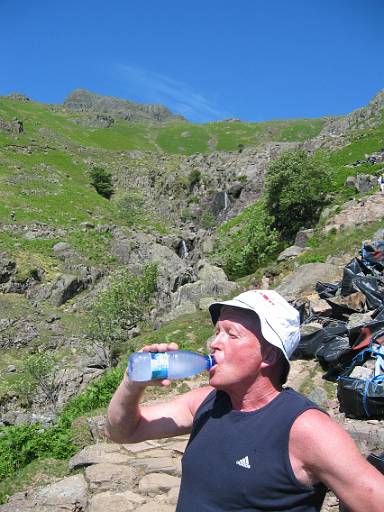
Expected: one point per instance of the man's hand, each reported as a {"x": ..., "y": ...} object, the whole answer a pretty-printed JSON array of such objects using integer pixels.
[
  {"x": 156, "y": 347},
  {"x": 130, "y": 422}
]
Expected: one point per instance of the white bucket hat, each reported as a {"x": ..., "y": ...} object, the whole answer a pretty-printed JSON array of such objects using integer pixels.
[{"x": 279, "y": 321}]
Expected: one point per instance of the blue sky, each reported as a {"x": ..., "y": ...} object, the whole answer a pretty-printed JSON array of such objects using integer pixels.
[{"x": 205, "y": 59}]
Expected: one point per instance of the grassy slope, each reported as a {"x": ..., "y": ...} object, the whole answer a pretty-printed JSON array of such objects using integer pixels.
[
  {"x": 43, "y": 171},
  {"x": 175, "y": 137}
]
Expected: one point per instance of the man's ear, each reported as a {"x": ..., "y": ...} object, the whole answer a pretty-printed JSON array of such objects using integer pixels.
[{"x": 270, "y": 355}]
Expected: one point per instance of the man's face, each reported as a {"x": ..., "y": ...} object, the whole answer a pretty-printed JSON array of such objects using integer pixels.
[{"x": 237, "y": 350}]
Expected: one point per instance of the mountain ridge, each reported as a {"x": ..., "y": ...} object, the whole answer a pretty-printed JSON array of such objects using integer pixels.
[{"x": 84, "y": 100}]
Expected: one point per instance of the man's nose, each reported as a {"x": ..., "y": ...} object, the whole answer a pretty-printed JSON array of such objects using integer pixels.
[{"x": 216, "y": 341}]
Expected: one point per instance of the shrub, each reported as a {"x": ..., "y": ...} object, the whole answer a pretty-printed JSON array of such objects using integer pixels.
[
  {"x": 45, "y": 375},
  {"x": 250, "y": 243},
  {"x": 118, "y": 309},
  {"x": 193, "y": 178},
  {"x": 295, "y": 191},
  {"x": 131, "y": 207},
  {"x": 102, "y": 181},
  {"x": 21, "y": 444},
  {"x": 208, "y": 220},
  {"x": 98, "y": 394}
]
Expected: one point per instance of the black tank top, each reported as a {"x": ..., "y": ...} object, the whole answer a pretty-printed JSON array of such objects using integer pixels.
[{"x": 239, "y": 461}]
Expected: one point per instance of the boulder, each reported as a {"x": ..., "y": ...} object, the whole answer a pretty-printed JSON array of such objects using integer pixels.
[
  {"x": 154, "y": 505},
  {"x": 350, "y": 182},
  {"x": 142, "y": 249},
  {"x": 157, "y": 482},
  {"x": 65, "y": 287},
  {"x": 290, "y": 252},
  {"x": 303, "y": 236},
  {"x": 97, "y": 454},
  {"x": 303, "y": 280},
  {"x": 115, "y": 502},
  {"x": 65, "y": 252},
  {"x": 212, "y": 282},
  {"x": 107, "y": 477},
  {"x": 7, "y": 268},
  {"x": 356, "y": 213},
  {"x": 365, "y": 182},
  {"x": 68, "y": 494}
]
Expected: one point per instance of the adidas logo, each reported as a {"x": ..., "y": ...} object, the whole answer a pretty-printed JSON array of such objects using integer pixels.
[{"x": 244, "y": 463}]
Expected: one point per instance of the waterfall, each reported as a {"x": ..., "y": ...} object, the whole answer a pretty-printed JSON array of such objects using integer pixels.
[
  {"x": 183, "y": 251},
  {"x": 226, "y": 201}
]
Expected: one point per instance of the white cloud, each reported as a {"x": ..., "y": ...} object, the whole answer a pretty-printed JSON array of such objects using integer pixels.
[{"x": 149, "y": 87}]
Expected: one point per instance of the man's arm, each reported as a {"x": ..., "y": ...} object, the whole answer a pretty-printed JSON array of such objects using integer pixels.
[
  {"x": 130, "y": 422},
  {"x": 328, "y": 454}
]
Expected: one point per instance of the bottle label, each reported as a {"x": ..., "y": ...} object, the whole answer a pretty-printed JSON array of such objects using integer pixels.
[{"x": 159, "y": 365}]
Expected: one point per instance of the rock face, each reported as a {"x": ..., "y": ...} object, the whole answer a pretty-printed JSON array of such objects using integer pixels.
[
  {"x": 13, "y": 127},
  {"x": 365, "y": 117},
  {"x": 357, "y": 213},
  {"x": 86, "y": 101},
  {"x": 181, "y": 282}
]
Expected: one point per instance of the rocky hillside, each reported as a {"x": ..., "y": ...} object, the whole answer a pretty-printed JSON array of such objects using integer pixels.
[
  {"x": 174, "y": 184},
  {"x": 367, "y": 117},
  {"x": 61, "y": 240}
]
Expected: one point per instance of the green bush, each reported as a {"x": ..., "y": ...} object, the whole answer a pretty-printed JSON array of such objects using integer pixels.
[
  {"x": 21, "y": 444},
  {"x": 249, "y": 244},
  {"x": 194, "y": 178},
  {"x": 102, "y": 181},
  {"x": 131, "y": 207},
  {"x": 98, "y": 394},
  {"x": 295, "y": 191},
  {"x": 43, "y": 374},
  {"x": 119, "y": 308},
  {"x": 208, "y": 220}
]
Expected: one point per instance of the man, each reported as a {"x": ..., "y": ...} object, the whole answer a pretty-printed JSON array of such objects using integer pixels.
[{"x": 254, "y": 445}]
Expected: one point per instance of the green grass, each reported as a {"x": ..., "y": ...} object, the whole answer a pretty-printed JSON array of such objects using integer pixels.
[
  {"x": 190, "y": 332},
  {"x": 93, "y": 246},
  {"x": 43, "y": 125},
  {"x": 362, "y": 144},
  {"x": 337, "y": 243},
  {"x": 38, "y": 473}
]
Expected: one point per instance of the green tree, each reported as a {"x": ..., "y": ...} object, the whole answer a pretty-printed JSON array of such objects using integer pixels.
[
  {"x": 118, "y": 309},
  {"x": 102, "y": 181},
  {"x": 43, "y": 374},
  {"x": 249, "y": 243},
  {"x": 194, "y": 178},
  {"x": 295, "y": 191}
]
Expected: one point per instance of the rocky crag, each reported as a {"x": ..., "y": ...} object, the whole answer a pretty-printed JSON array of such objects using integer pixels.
[{"x": 108, "y": 108}]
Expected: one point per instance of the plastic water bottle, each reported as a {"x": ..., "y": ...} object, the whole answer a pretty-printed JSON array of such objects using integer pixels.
[{"x": 176, "y": 364}]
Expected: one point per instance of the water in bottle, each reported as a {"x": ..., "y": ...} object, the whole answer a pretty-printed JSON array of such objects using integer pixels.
[{"x": 176, "y": 364}]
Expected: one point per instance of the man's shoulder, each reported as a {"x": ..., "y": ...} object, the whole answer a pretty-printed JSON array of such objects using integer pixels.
[
  {"x": 196, "y": 397},
  {"x": 312, "y": 424}
]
